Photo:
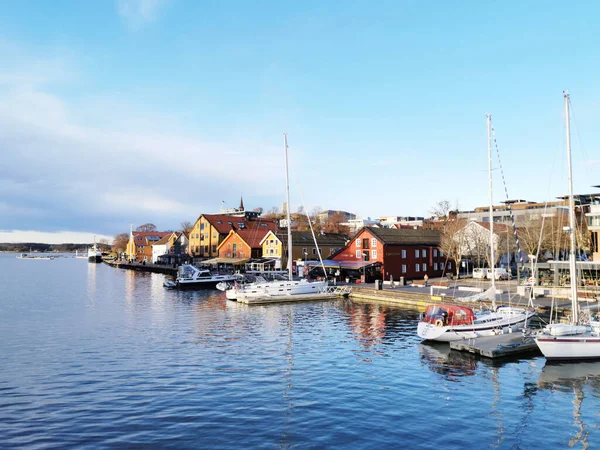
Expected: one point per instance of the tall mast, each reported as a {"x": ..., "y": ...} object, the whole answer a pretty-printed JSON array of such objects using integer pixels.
[
  {"x": 287, "y": 209},
  {"x": 492, "y": 256},
  {"x": 572, "y": 267}
]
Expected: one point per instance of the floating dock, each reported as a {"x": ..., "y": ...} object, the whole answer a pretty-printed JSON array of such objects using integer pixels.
[{"x": 499, "y": 346}]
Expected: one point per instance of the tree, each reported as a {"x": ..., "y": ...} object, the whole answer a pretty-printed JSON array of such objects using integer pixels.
[
  {"x": 146, "y": 227},
  {"x": 186, "y": 226},
  {"x": 120, "y": 242},
  {"x": 452, "y": 241},
  {"x": 259, "y": 210},
  {"x": 334, "y": 225}
]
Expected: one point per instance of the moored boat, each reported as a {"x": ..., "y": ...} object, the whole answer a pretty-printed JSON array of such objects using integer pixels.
[{"x": 191, "y": 277}]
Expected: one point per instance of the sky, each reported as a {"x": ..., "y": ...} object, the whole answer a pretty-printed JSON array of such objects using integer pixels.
[{"x": 132, "y": 111}]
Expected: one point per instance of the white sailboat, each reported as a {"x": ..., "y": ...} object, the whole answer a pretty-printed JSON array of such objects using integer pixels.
[
  {"x": 281, "y": 290},
  {"x": 575, "y": 340},
  {"x": 448, "y": 323}
]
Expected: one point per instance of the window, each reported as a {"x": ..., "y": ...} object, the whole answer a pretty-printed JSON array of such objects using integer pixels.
[
  {"x": 441, "y": 253},
  {"x": 435, "y": 266},
  {"x": 403, "y": 268},
  {"x": 424, "y": 253},
  {"x": 358, "y": 244},
  {"x": 234, "y": 247},
  {"x": 449, "y": 266},
  {"x": 201, "y": 227},
  {"x": 417, "y": 267},
  {"x": 416, "y": 253},
  {"x": 373, "y": 254},
  {"x": 424, "y": 267},
  {"x": 276, "y": 252},
  {"x": 314, "y": 251},
  {"x": 304, "y": 251},
  {"x": 373, "y": 242},
  {"x": 214, "y": 235},
  {"x": 441, "y": 266},
  {"x": 214, "y": 248},
  {"x": 358, "y": 255},
  {"x": 206, "y": 249},
  {"x": 435, "y": 252},
  {"x": 404, "y": 253}
]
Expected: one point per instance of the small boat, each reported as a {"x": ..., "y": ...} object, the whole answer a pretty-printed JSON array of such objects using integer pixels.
[
  {"x": 191, "y": 277},
  {"x": 80, "y": 256}
]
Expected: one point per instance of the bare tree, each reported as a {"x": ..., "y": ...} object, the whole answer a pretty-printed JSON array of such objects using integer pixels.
[
  {"x": 146, "y": 227},
  {"x": 186, "y": 226},
  {"x": 120, "y": 242},
  {"x": 452, "y": 241},
  {"x": 259, "y": 210},
  {"x": 334, "y": 225}
]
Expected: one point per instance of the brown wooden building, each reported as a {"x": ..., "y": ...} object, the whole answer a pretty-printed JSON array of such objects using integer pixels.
[{"x": 405, "y": 252}]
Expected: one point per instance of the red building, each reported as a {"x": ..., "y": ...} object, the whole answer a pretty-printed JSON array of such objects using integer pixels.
[{"x": 404, "y": 252}]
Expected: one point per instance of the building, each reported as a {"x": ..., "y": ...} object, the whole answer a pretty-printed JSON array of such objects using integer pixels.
[
  {"x": 324, "y": 216},
  {"x": 274, "y": 245},
  {"x": 400, "y": 221},
  {"x": 356, "y": 224},
  {"x": 244, "y": 243},
  {"x": 210, "y": 230},
  {"x": 139, "y": 246},
  {"x": 522, "y": 211},
  {"x": 474, "y": 240},
  {"x": 593, "y": 225},
  {"x": 405, "y": 252}
]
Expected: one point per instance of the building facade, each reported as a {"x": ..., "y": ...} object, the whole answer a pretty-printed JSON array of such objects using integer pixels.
[{"x": 408, "y": 253}]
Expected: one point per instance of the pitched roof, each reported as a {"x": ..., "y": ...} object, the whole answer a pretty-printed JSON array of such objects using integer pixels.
[
  {"x": 163, "y": 240},
  {"x": 300, "y": 238},
  {"x": 405, "y": 236},
  {"x": 143, "y": 237},
  {"x": 498, "y": 227},
  {"x": 224, "y": 223}
]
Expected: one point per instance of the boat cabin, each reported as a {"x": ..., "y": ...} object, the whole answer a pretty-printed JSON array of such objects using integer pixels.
[{"x": 447, "y": 315}]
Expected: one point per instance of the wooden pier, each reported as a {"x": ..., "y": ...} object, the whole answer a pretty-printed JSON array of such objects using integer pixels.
[
  {"x": 156, "y": 268},
  {"x": 499, "y": 346}
]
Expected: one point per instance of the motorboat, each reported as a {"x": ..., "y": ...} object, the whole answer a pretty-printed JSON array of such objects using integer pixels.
[{"x": 192, "y": 277}]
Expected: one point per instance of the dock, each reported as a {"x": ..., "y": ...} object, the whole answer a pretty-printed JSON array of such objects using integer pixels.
[
  {"x": 498, "y": 346},
  {"x": 156, "y": 268}
]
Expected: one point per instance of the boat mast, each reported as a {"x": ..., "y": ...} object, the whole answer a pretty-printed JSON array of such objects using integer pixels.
[
  {"x": 572, "y": 267},
  {"x": 492, "y": 255},
  {"x": 287, "y": 209}
]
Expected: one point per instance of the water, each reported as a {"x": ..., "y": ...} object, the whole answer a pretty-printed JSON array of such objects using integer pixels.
[{"x": 98, "y": 357}]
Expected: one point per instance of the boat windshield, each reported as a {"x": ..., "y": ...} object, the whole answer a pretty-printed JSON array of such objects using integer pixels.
[{"x": 449, "y": 314}]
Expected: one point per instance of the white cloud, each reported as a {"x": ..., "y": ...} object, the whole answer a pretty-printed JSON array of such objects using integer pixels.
[
  {"x": 59, "y": 237},
  {"x": 64, "y": 167},
  {"x": 138, "y": 13}
]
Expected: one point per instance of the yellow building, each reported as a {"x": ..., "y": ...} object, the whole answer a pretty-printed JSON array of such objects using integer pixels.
[{"x": 274, "y": 245}]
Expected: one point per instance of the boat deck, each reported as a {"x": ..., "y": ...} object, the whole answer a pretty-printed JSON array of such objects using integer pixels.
[{"x": 331, "y": 293}]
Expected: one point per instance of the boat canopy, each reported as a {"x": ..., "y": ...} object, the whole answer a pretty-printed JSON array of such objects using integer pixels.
[{"x": 443, "y": 315}]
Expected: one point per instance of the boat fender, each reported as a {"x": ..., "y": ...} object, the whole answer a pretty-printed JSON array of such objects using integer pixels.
[{"x": 439, "y": 323}]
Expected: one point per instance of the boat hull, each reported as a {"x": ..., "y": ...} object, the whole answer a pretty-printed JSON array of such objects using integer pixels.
[
  {"x": 578, "y": 347},
  {"x": 95, "y": 258},
  {"x": 431, "y": 332}
]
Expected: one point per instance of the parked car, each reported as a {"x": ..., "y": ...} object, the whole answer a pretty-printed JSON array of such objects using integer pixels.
[
  {"x": 480, "y": 273},
  {"x": 500, "y": 273}
]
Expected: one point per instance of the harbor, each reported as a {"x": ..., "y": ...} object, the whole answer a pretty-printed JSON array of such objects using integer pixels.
[{"x": 146, "y": 358}]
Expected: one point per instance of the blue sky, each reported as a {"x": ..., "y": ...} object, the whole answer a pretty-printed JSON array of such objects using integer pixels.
[{"x": 134, "y": 111}]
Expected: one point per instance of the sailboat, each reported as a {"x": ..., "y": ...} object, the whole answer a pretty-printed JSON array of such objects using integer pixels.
[
  {"x": 448, "y": 323},
  {"x": 262, "y": 290},
  {"x": 575, "y": 340}
]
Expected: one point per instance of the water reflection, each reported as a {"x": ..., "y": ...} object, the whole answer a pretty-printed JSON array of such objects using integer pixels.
[
  {"x": 573, "y": 377},
  {"x": 129, "y": 285},
  {"x": 453, "y": 365},
  {"x": 91, "y": 283}
]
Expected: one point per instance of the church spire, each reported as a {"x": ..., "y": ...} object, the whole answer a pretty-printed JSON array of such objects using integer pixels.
[{"x": 241, "y": 203}]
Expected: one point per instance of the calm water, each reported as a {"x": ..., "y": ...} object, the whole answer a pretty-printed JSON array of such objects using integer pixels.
[{"x": 98, "y": 357}]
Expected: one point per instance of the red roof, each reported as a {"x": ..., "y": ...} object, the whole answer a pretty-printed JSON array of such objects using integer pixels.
[{"x": 224, "y": 223}]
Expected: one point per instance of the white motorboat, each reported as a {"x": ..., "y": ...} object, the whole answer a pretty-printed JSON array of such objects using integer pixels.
[
  {"x": 576, "y": 340},
  {"x": 191, "y": 277},
  {"x": 36, "y": 257}
]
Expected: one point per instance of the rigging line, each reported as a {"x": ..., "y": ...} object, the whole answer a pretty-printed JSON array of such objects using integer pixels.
[
  {"x": 512, "y": 217},
  {"x": 579, "y": 140}
]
